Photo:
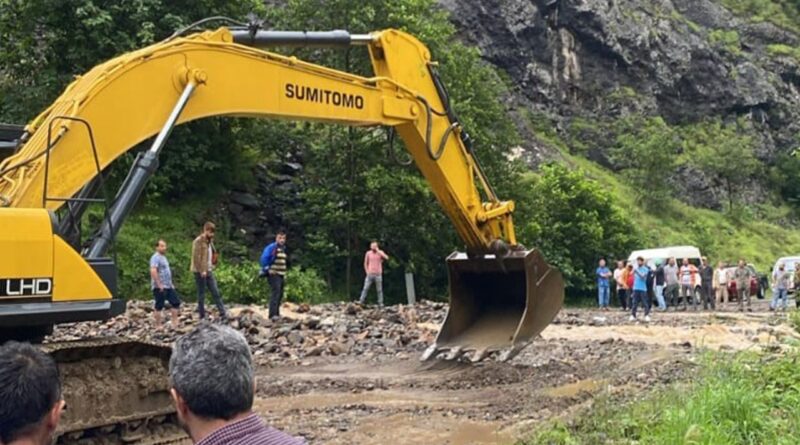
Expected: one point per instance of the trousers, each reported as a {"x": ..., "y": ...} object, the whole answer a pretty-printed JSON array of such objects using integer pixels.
[
  {"x": 378, "y": 280},
  {"x": 210, "y": 283}
]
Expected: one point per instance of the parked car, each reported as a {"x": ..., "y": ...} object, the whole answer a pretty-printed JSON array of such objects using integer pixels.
[
  {"x": 790, "y": 263},
  {"x": 662, "y": 254},
  {"x": 755, "y": 285}
]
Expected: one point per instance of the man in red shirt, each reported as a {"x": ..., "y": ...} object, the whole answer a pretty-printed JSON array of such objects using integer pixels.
[{"x": 373, "y": 267}]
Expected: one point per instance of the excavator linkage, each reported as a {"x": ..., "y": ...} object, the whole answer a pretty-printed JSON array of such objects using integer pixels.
[{"x": 497, "y": 304}]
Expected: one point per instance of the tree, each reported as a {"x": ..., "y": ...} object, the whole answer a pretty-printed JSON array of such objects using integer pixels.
[
  {"x": 723, "y": 152},
  {"x": 574, "y": 223},
  {"x": 354, "y": 191},
  {"x": 647, "y": 152}
]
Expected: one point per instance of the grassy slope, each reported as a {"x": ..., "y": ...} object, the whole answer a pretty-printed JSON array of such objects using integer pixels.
[
  {"x": 742, "y": 399},
  {"x": 716, "y": 233}
]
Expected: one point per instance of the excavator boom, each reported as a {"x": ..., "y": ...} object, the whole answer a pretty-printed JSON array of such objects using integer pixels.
[{"x": 501, "y": 295}]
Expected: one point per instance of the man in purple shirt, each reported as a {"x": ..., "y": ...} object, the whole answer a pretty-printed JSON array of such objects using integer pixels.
[{"x": 213, "y": 386}]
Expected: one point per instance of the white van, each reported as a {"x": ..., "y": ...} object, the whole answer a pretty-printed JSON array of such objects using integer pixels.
[{"x": 662, "y": 254}]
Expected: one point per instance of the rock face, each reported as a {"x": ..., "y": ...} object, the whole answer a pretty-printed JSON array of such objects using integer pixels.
[{"x": 605, "y": 59}]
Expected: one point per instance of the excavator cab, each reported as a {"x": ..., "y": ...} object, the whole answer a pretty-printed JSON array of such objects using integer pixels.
[{"x": 497, "y": 304}]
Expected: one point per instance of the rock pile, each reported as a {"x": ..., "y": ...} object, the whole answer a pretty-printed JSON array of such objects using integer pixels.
[{"x": 304, "y": 331}]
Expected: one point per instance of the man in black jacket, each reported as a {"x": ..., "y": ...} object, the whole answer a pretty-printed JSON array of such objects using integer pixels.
[
  {"x": 662, "y": 305},
  {"x": 707, "y": 284}
]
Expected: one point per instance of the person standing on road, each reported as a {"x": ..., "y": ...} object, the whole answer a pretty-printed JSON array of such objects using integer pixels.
[
  {"x": 203, "y": 261},
  {"x": 620, "y": 284},
  {"x": 640, "y": 275},
  {"x": 629, "y": 281},
  {"x": 274, "y": 264},
  {"x": 797, "y": 285},
  {"x": 161, "y": 285},
  {"x": 659, "y": 280},
  {"x": 707, "y": 285},
  {"x": 742, "y": 276},
  {"x": 603, "y": 286},
  {"x": 671, "y": 284},
  {"x": 721, "y": 279},
  {"x": 212, "y": 384},
  {"x": 31, "y": 402},
  {"x": 373, "y": 268},
  {"x": 780, "y": 283},
  {"x": 688, "y": 283}
]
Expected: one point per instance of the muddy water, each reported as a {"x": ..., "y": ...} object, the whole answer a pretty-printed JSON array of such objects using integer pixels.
[
  {"x": 727, "y": 331},
  {"x": 351, "y": 400}
]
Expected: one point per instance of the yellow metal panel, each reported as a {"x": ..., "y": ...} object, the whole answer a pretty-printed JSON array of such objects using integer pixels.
[
  {"x": 26, "y": 243},
  {"x": 73, "y": 278}
]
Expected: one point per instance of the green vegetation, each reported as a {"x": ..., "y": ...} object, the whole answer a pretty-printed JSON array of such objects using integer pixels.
[
  {"x": 645, "y": 150},
  {"x": 783, "y": 13},
  {"x": 678, "y": 17},
  {"x": 742, "y": 399},
  {"x": 723, "y": 152},
  {"x": 727, "y": 40},
  {"x": 572, "y": 221},
  {"x": 754, "y": 234},
  {"x": 781, "y": 50}
]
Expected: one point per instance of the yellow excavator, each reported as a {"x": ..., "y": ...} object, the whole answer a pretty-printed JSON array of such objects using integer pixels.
[{"x": 501, "y": 295}]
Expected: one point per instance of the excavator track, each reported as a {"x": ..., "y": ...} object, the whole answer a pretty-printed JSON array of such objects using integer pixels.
[{"x": 117, "y": 392}]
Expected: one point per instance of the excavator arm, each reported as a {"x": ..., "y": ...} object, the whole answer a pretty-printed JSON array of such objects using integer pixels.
[{"x": 500, "y": 294}]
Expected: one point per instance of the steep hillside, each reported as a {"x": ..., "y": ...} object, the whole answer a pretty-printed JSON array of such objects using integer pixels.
[{"x": 585, "y": 65}]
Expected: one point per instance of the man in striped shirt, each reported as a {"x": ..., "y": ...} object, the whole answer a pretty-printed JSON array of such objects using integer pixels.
[
  {"x": 213, "y": 387},
  {"x": 274, "y": 266}
]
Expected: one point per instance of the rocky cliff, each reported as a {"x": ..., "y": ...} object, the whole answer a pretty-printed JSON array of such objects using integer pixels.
[{"x": 685, "y": 60}]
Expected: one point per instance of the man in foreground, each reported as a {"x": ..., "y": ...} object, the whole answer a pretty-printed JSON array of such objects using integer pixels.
[
  {"x": 203, "y": 261},
  {"x": 213, "y": 387},
  {"x": 274, "y": 264},
  {"x": 30, "y": 395},
  {"x": 161, "y": 284},
  {"x": 373, "y": 268}
]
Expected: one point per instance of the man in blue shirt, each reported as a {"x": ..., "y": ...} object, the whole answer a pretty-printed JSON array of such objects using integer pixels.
[
  {"x": 603, "y": 287},
  {"x": 161, "y": 284},
  {"x": 640, "y": 275}
]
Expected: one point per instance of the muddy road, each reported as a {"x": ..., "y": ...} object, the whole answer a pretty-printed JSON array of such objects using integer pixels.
[
  {"x": 353, "y": 400},
  {"x": 337, "y": 374}
]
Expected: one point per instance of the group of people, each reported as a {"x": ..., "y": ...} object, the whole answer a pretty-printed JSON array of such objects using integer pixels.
[
  {"x": 212, "y": 383},
  {"x": 274, "y": 264},
  {"x": 674, "y": 286}
]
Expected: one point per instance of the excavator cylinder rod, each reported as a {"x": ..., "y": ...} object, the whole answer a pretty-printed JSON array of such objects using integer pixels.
[
  {"x": 267, "y": 39},
  {"x": 497, "y": 304}
]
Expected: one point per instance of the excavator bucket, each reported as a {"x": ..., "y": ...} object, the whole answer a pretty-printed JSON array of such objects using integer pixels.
[{"x": 497, "y": 304}]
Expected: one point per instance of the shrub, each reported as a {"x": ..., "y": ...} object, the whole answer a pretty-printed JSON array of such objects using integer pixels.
[
  {"x": 305, "y": 286},
  {"x": 240, "y": 283}
]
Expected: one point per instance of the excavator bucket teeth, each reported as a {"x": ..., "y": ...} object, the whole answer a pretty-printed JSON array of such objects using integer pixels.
[{"x": 497, "y": 304}]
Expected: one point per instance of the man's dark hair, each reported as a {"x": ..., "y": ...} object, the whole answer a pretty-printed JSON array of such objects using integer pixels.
[
  {"x": 29, "y": 388},
  {"x": 280, "y": 232},
  {"x": 212, "y": 370}
]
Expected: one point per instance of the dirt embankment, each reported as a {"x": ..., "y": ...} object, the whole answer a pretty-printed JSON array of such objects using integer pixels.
[{"x": 337, "y": 374}]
